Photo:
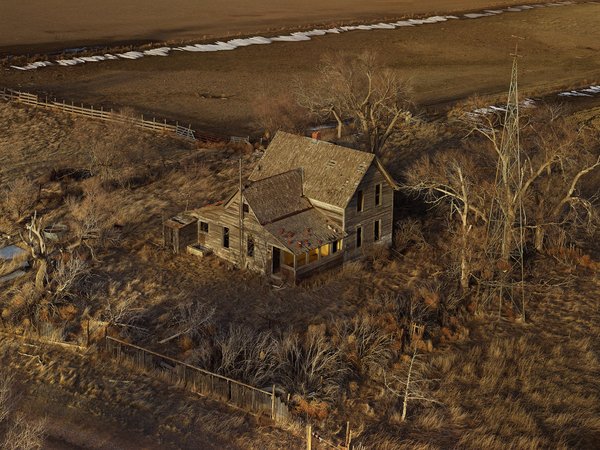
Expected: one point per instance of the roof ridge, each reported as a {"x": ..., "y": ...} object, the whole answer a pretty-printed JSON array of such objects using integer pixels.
[{"x": 270, "y": 177}]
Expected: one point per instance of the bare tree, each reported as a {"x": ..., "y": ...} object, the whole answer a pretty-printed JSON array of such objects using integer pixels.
[
  {"x": 190, "y": 319},
  {"x": 411, "y": 387},
  {"x": 458, "y": 181},
  {"x": 94, "y": 218},
  {"x": 19, "y": 198},
  {"x": 67, "y": 276},
  {"x": 122, "y": 312},
  {"x": 360, "y": 89},
  {"x": 113, "y": 156},
  {"x": 39, "y": 248}
]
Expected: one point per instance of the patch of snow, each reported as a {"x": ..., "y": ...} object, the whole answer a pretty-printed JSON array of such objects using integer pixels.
[
  {"x": 32, "y": 66},
  {"x": 162, "y": 51},
  {"x": 11, "y": 252},
  {"x": 131, "y": 55},
  {"x": 477, "y": 15},
  {"x": 296, "y": 38}
]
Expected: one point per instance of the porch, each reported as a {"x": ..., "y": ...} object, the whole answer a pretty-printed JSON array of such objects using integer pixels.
[{"x": 294, "y": 267}]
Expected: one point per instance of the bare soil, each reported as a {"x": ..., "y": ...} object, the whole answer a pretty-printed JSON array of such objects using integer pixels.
[
  {"x": 41, "y": 26},
  {"x": 446, "y": 61}
]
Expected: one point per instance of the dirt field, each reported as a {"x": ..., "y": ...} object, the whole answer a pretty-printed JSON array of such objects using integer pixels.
[
  {"x": 44, "y": 25},
  {"x": 444, "y": 61}
]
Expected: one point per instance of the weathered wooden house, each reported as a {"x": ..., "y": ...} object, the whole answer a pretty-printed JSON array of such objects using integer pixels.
[{"x": 308, "y": 205}]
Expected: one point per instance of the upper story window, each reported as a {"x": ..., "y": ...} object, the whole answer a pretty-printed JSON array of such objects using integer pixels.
[
  {"x": 360, "y": 201},
  {"x": 378, "y": 194},
  {"x": 203, "y": 227},
  {"x": 245, "y": 208}
]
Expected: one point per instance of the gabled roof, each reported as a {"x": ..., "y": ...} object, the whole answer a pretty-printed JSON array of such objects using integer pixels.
[
  {"x": 277, "y": 197},
  {"x": 331, "y": 173}
]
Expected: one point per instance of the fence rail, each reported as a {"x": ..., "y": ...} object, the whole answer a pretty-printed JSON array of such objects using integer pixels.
[
  {"x": 108, "y": 115},
  {"x": 249, "y": 398}
]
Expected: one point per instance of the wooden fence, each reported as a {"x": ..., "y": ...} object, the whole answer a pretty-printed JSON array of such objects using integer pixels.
[
  {"x": 109, "y": 115},
  {"x": 246, "y": 397}
]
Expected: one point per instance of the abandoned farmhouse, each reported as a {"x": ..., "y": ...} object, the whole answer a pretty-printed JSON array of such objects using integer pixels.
[{"x": 307, "y": 206}]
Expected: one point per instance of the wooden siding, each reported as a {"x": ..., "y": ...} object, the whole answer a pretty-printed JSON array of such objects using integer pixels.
[
  {"x": 370, "y": 213},
  {"x": 178, "y": 238},
  {"x": 229, "y": 217}
]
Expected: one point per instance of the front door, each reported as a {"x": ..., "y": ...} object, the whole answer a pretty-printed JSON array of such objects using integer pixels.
[{"x": 276, "y": 253}]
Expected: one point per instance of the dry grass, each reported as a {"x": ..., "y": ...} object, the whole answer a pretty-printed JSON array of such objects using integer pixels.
[
  {"x": 502, "y": 385},
  {"x": 112, "y": 407}
]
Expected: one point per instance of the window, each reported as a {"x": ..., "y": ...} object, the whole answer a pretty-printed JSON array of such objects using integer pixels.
[
  {"x": 358, "y": 237},
  {"x": 245, "y": 208},
  {"x": 225, "y": 237},
  {"x": 325, "y": 250},
  {"x": 360, "y": 200},
  {"x": 204, "y": 227},
  {"x": 377, "y": 230},
  {"x": 336, "y": 246},
  {"x": 250, "y": 246},
  {"x": 378, "y": 195}
]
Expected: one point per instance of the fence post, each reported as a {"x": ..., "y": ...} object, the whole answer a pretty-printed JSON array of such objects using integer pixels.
[
  {"x": 273, "y": 403},
  {"x": 308, "y": 437}
]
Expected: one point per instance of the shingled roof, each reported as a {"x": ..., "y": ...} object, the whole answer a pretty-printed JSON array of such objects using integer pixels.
[
  {"x": 276, "y": 197},
  {"x": 331, "y": 172},
  {"x": 305, "y": 231}
]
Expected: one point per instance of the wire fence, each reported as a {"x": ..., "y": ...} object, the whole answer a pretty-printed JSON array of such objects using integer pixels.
[
  {"x": 109, "y": 115},
  {"x": 246, "y": 397}
]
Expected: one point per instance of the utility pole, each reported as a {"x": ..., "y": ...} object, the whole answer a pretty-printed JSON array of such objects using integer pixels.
[{"x": 241, "y": 216}]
